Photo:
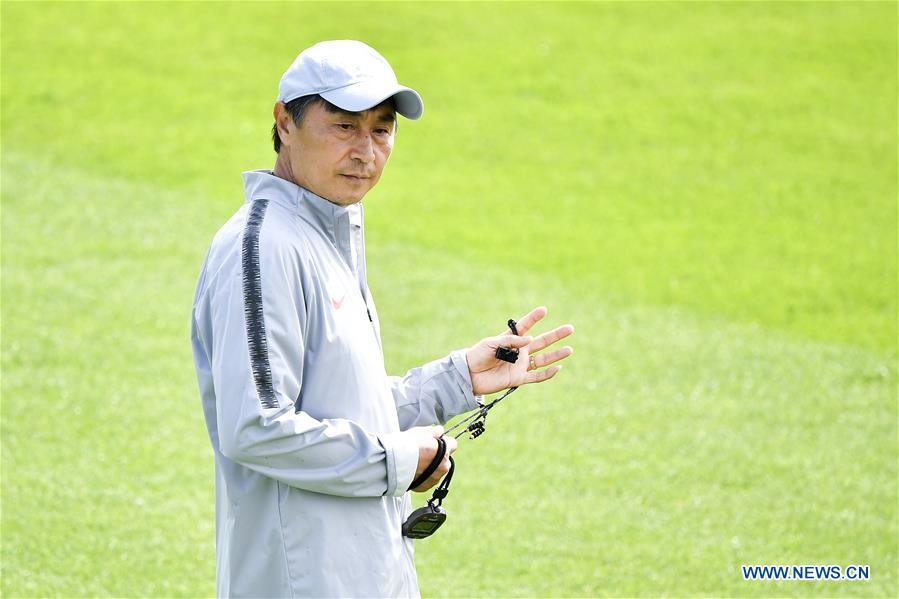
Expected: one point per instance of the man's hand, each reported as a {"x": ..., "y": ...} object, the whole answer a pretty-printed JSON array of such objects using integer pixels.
[
  {"x": 427, "y": 450},
  {"x": 490, "y": 374}
]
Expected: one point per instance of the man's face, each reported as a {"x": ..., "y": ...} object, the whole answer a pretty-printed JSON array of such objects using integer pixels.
[{"x": 338, "y": 155}]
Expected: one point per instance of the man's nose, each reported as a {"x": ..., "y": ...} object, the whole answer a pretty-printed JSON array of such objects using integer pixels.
[{"x": 363, "y": 148}]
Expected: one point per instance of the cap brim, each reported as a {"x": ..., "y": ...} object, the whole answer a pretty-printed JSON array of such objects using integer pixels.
[{"x": 368, "y": 94}]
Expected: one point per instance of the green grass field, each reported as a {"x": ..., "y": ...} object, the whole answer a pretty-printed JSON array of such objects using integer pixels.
[{"x": 707, "y": 191}]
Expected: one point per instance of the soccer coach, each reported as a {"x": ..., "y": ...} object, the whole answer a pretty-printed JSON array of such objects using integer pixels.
[{"x": 315, "y": 445}]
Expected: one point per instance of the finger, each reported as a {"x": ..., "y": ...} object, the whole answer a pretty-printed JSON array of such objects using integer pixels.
[
  {"x": 538, "y": 376},
  {"x": 425, "y": 486},
  {"x": 451, "y": 445},
  {"x": 550, "y": 337},
  {"x": 512, "y": 341},
  {"x": 528, "y": 320},
  {"x": 541, "y": 360},
  {"x": 437, "y": 431},
  {"x": 435, "y": 478}
]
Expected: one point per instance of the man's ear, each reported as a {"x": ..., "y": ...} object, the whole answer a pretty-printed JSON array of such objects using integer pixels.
[{"x": 284, "y": 122}]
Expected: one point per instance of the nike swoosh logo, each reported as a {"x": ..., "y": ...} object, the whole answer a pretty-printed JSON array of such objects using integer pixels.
[{"x": 338, "y": 303}]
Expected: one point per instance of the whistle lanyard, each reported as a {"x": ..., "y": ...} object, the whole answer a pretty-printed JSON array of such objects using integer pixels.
[
  {"x": 477, "y": 422},
  {"x": 425, "y": 521}
]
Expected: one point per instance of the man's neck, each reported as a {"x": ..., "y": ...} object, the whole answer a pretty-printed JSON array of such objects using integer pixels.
[{"x": 282, "y": 169}]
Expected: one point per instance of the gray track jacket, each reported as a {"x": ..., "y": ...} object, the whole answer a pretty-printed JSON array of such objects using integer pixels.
[{"x": 311, "y": 470}]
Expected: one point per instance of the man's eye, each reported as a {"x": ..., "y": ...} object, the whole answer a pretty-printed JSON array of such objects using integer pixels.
[
  {"x": 382, "y": 131},
  {"x": 345, "y": 126}
]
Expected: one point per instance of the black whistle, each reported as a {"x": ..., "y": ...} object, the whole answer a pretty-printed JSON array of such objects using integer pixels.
[{"x": 508, "y": 354}]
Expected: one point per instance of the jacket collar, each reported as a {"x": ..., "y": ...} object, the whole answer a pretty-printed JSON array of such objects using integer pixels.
[{"x": 319, "y": 212}]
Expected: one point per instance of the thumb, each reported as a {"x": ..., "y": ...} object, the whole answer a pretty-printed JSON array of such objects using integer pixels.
[{"x": 437, "y": 431}]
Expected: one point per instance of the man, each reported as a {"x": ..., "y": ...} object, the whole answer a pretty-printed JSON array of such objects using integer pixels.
[{"x": 315, "y": 446}]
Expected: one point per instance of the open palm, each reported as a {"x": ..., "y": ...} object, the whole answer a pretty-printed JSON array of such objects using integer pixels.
[{"x": 490, "y": 374}]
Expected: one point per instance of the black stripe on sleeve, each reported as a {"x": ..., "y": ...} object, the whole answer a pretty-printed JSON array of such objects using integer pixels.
[{"x": 252, "y": 306}]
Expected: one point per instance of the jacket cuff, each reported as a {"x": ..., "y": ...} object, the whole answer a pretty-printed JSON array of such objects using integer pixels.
[{"x": 402, "y": 461}]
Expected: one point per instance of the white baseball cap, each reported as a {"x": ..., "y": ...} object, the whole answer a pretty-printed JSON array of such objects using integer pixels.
[{"x": 349, "y": 74}]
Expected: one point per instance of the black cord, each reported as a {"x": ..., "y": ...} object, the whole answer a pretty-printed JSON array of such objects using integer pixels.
[
  {"x": 435, "y": 463},
  {"x": 425, "y": 520},
  {"x": 478, "y": 416},
  {"x": 442, "y": 489}
]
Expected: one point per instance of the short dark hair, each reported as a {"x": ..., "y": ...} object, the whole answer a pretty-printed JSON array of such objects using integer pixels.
[{"x": 297, "y": 109}]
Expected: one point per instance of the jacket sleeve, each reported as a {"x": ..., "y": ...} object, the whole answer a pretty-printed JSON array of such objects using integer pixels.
[
  {"x": 250, "y": 326},
  {"x": 435, "y": 392}
]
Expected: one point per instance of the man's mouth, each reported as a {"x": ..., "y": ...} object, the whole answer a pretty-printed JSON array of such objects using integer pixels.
[{"x": 354, "y": 177}]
